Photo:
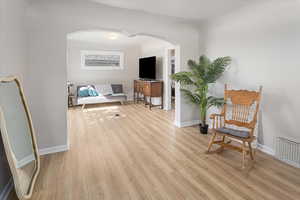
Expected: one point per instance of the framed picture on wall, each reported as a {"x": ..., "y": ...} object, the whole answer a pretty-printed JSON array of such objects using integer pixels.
[{"x": 102, "y": 60}]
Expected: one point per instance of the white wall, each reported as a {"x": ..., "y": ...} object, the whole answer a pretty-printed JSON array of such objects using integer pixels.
[
  {"x": 13, "y": 38},
  {"x": 156, "y": 49},
  {"x": 12, "y": 57},
  {"x": 51, "y": 21},
  {"x": 77, "y": 75},
  {"x": 264, "y": 43}
]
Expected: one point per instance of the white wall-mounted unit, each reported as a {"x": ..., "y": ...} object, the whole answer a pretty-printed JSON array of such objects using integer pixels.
[{"x": 288, "y": 151}]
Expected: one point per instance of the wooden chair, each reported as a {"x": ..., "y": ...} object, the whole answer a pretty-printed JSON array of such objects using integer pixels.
[{"x": 237, "y": 120}]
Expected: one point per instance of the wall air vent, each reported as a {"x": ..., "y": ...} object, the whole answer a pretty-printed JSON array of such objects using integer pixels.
[{"x": 288, "y": 151}]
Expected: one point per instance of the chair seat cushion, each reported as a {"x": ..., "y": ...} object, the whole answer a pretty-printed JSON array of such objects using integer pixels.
[{"x": 233, "y": 132}]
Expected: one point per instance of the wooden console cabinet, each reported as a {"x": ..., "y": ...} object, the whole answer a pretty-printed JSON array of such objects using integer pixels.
[{"x": 146, "y": 90}]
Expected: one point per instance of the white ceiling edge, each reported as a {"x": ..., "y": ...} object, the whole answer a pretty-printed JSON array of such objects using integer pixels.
[
  {"x": 34, "y": 4},
  {"x": 114, "y": 38},
  {"x": 187, "y": 10}
]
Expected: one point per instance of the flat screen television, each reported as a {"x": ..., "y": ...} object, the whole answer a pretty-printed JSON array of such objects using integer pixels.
[{"x": 147, "y": 68}]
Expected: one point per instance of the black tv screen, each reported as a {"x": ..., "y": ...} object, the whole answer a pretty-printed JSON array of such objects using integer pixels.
[{"x": 147, "y": 67}]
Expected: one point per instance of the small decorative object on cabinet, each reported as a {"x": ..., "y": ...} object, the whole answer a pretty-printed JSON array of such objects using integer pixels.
[
  {"x": 239, "y": 111},
  {"x": 71, "y": 96}
]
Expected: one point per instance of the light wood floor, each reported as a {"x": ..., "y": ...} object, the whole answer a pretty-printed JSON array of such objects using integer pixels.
[{"x": 141, "y": 155}]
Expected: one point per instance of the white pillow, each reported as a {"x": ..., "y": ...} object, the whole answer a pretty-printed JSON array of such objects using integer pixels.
[{"x": 104, "y": 89}]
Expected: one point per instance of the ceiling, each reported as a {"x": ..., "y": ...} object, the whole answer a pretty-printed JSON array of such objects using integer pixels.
[
  {"x": 186, "y": 9},
  {"x": 114, "y": 38}
]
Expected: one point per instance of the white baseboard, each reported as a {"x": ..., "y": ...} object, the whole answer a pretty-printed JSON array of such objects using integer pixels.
[
  {"x": 266, "y": 149},
  {"x": 25, "y": 161},
  {"x": 271, "y": 152},
  {"x": 54, "y": 149},
  {"x": 44, "y": 151},
  {"x": 261, "y": 147},
  {"x": 187, "y": 123},
  {"x": 295, "y": 164},
  {"x": 177, "y": 124},
  {"x": 6, "y": 190},
  {"x": 9, "y": 186}
]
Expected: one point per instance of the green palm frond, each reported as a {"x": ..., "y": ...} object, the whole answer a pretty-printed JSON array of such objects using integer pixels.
[
  {"x": 216, "y": 69},
  {"x": 197, "y": 69},
  {"x": 192, "y": 63},
  {"x": 204, "y": 61},
  {"x": 191, "y": 96},
  {"x": 184, "y": 78},
  {"x": 214, "y": 101},
  {"x": 201, "y": 75}
]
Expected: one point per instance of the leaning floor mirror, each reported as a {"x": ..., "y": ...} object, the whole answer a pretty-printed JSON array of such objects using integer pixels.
[{"x": 18, "y": 137}]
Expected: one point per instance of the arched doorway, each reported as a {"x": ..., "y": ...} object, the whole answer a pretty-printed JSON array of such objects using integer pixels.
[{"x": 151, "y": 45}]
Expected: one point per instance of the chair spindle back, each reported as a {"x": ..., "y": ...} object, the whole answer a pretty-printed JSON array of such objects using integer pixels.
[{"x": 241, "y": 107}]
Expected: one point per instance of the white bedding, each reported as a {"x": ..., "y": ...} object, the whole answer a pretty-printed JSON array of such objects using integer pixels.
[{"x": 100, "y": 99}]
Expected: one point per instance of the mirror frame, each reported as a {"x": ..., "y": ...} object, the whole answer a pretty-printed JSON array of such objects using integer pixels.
[{"x": 7, "y": 145}]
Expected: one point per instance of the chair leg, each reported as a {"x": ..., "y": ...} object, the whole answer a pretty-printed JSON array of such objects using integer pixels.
[
  {"x": 244, "y": 154},
  {"x": 212, "y": 139},
  {"x": 251, "y": 151},
  {"x": 223, "y": 140}
]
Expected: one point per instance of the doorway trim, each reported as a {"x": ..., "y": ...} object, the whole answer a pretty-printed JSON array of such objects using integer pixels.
[
  {"x": 168, "y": 82},
  {"x": 167, "y": 69}
]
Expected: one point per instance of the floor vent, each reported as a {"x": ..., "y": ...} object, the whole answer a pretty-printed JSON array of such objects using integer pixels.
[{"x": 288, "y": 151}]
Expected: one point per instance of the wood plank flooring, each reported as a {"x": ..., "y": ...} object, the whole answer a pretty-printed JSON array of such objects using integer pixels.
[{"x": 142, "y": 155}]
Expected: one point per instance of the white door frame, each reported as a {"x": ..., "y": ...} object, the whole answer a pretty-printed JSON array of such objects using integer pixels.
[
  {"x": 168, "y": 82},
  {"x": 177, "y": 119}
]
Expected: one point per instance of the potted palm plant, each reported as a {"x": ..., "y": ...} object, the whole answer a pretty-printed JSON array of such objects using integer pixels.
[{"x": 195, "y": 84}]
